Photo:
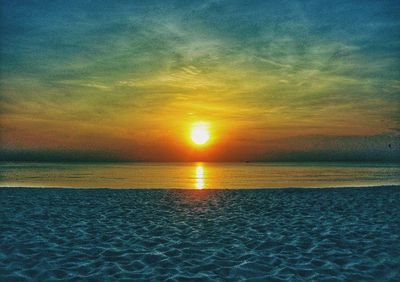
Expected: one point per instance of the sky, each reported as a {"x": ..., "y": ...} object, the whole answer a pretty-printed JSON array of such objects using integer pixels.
[{"x": 273, "y": 80}]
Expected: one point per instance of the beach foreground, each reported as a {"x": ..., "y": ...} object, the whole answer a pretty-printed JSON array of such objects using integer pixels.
[{"x": 268, "y": 234}]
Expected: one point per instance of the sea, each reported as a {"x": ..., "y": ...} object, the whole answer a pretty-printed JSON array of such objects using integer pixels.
[{"x": 198, "y": 175}]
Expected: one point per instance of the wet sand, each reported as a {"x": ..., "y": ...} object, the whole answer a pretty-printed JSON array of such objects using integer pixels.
[{"x": 268, "y": 234}]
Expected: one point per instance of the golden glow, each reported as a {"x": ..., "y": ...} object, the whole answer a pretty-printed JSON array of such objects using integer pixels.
[
  {"x": 199, "y": 133},
  {"x": 199, "y": 176}
]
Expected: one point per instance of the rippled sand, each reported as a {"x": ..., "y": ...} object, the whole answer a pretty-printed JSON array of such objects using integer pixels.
[{"x": 299, "y": 234}]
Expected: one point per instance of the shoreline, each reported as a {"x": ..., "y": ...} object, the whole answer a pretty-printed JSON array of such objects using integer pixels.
[{"x": 203, "y": 189}]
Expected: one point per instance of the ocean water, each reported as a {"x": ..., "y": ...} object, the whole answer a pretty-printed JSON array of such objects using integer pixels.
[
  {"x": 198, "y": 175},
  {"x": 338, "y": 234}
]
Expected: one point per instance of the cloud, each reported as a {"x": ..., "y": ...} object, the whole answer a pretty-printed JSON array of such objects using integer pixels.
[{"x": 384, "y": 147}]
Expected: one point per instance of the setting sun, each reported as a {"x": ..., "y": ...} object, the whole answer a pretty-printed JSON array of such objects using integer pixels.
[{"x": 199, "y": 133}]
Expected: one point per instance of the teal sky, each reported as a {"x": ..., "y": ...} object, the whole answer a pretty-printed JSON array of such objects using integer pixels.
[{"x": 281, "y": 80}]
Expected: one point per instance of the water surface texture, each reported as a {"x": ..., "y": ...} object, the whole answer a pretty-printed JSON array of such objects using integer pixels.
[
  {"x": 198, "y": 175},
  {"x": 348, "y": 234}
]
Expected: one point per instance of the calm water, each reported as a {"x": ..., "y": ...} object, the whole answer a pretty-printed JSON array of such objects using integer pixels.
[{"x": 197, "y": 175}]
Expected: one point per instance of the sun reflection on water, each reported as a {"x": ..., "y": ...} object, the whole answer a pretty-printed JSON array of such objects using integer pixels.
[{"x": 199, "y": 176}]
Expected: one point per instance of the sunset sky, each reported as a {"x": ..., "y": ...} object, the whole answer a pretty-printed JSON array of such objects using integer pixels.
[{"x": 273, "y": 80}]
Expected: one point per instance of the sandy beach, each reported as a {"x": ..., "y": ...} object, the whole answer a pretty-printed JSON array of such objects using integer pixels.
[{"x": 177, "y": 235}]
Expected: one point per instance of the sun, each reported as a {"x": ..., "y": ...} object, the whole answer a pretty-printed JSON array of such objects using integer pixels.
[
  {"x": 199, "y": 133},
  {"x": 199, "y": 136}
]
